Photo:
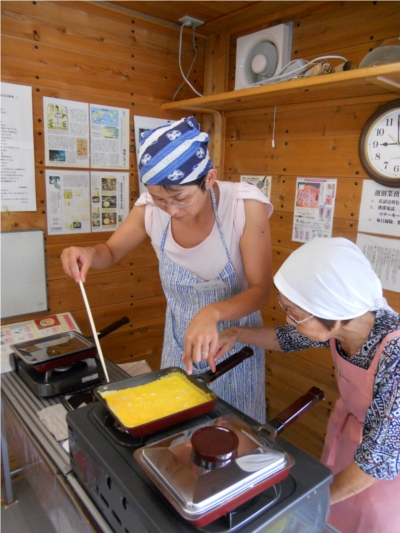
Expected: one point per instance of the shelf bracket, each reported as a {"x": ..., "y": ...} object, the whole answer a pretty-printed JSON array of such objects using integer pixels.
[
  {"x": 386, "y": 83},
  {"x": 216, "y": 136}
]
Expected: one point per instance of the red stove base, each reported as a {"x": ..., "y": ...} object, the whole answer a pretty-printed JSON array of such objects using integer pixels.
[{"x": 102, "y": 460}]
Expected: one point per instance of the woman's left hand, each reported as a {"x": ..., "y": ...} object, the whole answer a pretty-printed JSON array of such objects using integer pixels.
[{"x": 201, "y": 339}]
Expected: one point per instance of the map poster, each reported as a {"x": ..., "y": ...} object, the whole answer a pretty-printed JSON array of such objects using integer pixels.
[
  {"x": 314, "y": 205},
  {"x": 109, "y": 137}
]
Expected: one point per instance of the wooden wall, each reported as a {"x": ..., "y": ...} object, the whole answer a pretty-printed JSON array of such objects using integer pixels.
[
  {"x": 88, "y": 52},
  {"x": 312, "y": 140}
]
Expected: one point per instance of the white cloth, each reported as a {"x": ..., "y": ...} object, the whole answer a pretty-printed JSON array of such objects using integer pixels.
[
  {"x": 54, "y": 418},
  {"x": 331, "y": 279},
  {"x": 208, "y": 258}
]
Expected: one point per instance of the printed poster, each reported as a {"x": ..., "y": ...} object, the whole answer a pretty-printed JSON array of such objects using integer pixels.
[
  {"x": 380, "y": 209},
  {"x": 66, "y": 130},
  {"x": 18, "y": 191},
  {"x": 384, "y": 256},
  {"x": 68, "y": 202},
  {"x": 261, "y": 182},
  {"x": 109, "y": 134},
  {"x": 313, "y": 208},
  {"x": 109, "y": 199}
]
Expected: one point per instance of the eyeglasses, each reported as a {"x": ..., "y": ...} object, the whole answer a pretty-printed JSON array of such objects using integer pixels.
[
  {"x": 285, "y": 310},
  {"x": 176, "y": 205}
]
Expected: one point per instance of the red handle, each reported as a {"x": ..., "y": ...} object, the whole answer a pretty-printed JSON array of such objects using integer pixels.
[
  {"x": 275, "y": 426},
  {"x": 226, "y": 365}
]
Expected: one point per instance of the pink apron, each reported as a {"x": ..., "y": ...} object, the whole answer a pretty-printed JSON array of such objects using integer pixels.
[{"x": 377, "y": 508}]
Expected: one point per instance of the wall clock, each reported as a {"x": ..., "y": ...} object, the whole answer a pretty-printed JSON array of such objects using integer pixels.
[{"x": 379, "y": 146}]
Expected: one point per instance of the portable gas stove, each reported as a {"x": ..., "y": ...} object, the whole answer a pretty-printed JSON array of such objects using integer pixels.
[
  {"x": 106, "y": 462},
  {"x": 60, "y": 363}
]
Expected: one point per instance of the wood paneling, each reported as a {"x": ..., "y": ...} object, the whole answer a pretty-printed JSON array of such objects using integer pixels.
[
  {"x": 312, "y": 139},
  {"x": 90, "y": 52},
  {"x": 173, "y": 11}
]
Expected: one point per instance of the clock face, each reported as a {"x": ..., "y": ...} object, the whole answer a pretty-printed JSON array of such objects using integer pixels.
[{"x": 380, "y": 145}]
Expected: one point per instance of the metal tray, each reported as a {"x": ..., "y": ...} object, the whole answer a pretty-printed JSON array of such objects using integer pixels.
[{"x": 54, "y": 351}]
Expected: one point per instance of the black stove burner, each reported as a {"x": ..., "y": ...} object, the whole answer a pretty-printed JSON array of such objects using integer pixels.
[
  {"x": 77, "y": 376},
  {"x": 131, "y": 503}
]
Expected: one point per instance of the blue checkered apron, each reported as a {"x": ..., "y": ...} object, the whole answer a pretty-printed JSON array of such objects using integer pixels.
[{"x": 243, "y": 386}]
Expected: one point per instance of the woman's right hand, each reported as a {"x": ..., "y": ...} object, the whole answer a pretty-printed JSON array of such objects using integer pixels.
[{"x": 76, "y": 261}]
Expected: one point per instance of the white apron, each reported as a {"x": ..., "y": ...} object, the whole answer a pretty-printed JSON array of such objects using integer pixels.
[{"x": 244, "y": 386}]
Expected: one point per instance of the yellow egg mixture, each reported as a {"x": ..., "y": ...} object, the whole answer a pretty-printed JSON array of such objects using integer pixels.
[{"x": 145, "y": 403}]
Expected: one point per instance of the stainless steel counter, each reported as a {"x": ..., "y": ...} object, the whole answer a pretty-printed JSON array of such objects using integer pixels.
[{"x": 45, "y": 461}]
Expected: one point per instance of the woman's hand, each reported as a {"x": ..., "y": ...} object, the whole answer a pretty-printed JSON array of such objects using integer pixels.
[
  {"x": 201, "y": 338},
  {"x": 226, "y": 341},
  {"x": 349, "y": 482},
  {"x": 76, "y": 261}
]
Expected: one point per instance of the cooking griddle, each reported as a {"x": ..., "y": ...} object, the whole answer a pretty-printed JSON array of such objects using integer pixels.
[
  {"x": 202, "y": 495},
  {"x": 131, "y": 503}
]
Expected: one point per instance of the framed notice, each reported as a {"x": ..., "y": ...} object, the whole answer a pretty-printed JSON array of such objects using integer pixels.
[{"x": 23, "y": 273}]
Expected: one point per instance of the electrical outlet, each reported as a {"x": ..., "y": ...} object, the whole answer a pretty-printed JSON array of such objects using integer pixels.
[{"x": 191, "y": 21}]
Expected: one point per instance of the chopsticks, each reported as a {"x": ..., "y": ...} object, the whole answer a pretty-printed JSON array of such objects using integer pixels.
[{"x": 94, "y": 332}]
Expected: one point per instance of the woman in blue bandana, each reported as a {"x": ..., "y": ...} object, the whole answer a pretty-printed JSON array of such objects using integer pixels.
[{"x": 213, "y": 243}]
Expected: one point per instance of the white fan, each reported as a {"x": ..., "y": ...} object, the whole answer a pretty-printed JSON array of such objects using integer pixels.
[{"x": 262, "y": 55}]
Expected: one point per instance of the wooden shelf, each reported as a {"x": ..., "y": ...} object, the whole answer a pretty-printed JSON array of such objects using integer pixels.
[{"x": 370, "y": 81}]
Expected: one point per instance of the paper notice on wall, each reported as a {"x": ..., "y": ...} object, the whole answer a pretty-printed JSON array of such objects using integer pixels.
[
  {"x": 68, "y": 201},
  {"x": 18, "y": 191},
  {"x": 261, "y": 182},
  {"x": 380, "y": 209},
  {"x": 66, "y": 130},
  {"x": 109, "y": 199},
  {"x": 313, "y": 208},
  {"x": 384, "y": 256},
  {"x": 33, "y": 329},
  {"x": 109, "y": 137}
]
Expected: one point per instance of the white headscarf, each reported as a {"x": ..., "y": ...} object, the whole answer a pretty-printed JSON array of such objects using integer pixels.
[{"x": 331, "y": 279}]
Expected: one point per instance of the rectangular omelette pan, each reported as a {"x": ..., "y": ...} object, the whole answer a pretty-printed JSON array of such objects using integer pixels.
[{"x": 198, "y": 380}]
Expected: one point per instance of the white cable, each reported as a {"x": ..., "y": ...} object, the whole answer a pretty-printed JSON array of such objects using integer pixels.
[
  {"x": 273, "y": 129},
  {"x": 187, "y": 23},
  {"x": 303, "y": 67}
]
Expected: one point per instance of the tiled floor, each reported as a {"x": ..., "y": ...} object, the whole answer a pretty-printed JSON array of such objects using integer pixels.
[{"x": 26, "y": 514}]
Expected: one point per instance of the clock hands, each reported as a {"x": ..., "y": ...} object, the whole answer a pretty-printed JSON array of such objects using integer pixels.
[
  {"x": 396, "y": 143},
  {"x": 398, "y": 129}
]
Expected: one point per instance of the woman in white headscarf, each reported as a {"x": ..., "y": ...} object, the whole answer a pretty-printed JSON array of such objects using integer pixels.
[
  {"x": 332, "y": 297},
  {"x": 213, "y": 243}
]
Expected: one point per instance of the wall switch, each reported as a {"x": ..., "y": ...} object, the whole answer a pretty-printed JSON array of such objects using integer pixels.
[{"x": 191, "y": 21}]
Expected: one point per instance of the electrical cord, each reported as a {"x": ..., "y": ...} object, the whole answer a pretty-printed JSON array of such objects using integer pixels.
[
  {"x": 297, "y": 70},
  {"x": 185, "y": 77}
]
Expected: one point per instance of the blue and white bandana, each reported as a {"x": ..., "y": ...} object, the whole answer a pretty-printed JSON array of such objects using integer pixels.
[{"x": 174, "y": 154}]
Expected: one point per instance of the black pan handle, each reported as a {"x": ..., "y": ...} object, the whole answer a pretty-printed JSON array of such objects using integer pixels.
[
  {"x": 275, "y": 426},
  {"x": 112, "y": 327},
  {"x": 225, "y": 366}
]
